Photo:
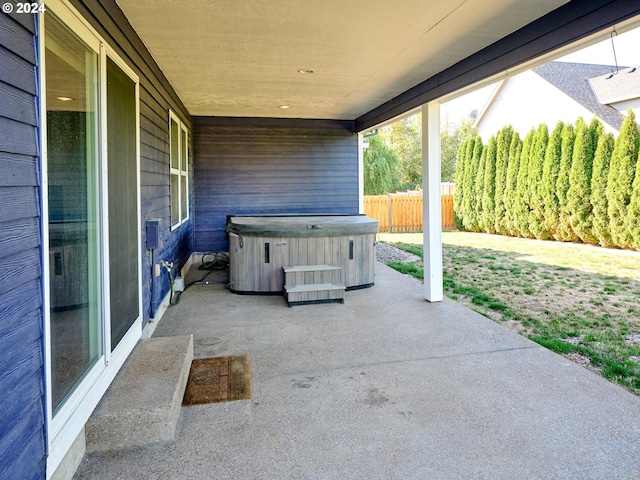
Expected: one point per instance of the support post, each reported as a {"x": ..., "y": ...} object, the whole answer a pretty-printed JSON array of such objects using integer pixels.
[
  {"x": 431, "y": 204},
  {"x": 361, "y": 173}
]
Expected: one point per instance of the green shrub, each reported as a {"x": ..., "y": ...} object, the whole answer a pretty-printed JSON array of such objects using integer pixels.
[
  {"x": 536, "y": 165},
  {"x": 521, "y": 199},
  {"x": 468, "y": 207},
  {"x": 599, "y": 178},
  {"x": 459, "y": 192},
  {"x": 579, "y": 193},
  {"x": 515, "y": 148},
  {"x": 502, "y": 163},
  {"x": 550, "y": 171},
  {"x": 632, "y": 220},
  {"x": 488, "y": 216},
  {"x": 620, "y": 183},
  {"x": 564, "y": 232},
  {"x": 478, "y": 188}
]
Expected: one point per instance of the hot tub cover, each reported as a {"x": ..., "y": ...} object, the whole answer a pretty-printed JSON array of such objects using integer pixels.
[{"x": 301, "y": 225}]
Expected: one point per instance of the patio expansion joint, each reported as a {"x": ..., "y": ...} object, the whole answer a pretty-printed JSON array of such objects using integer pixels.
[{"x": 401, "y": 361}]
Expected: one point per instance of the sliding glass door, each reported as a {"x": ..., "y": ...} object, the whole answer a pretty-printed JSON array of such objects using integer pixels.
[
  {"x": 76, "y": 321},
  {"x": 124, "y": 252},
  {"x": 93, "y": 225}
]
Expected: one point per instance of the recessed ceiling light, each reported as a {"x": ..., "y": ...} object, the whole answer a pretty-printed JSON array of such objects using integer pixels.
[
  {"x": 284, "y": 107},
  {"x": 65, "y": 99}
]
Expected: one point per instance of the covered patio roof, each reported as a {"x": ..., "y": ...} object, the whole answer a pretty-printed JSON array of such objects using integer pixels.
[{"x": 370, "y": 61}]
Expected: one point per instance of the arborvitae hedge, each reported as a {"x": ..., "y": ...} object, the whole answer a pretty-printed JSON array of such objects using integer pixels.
[
  {"x": 471, "y": 202},
  {"x": 550, "y": 170},
  {"x": 599, "y": 178},
  {"x": 536, "y": 165},
  {"x": 488, "y": 217},
  {"x": 459, "y": 192},
  {"x": 476, "y": 159},
  {"x": 502, "y": 163},
  {"x": 633, "y": 212},
  {"x": 621, "y": 174},
  {"x": 575, "y": 184},
  {"x": 478, "y": 191},
  {"x": 579, "y": 194},
  {"x": 521, "y": 200},
  {"x": 468, "y": 201},
  {"x": 509, "y": 194},
  {"x": 564, "y": 232}
]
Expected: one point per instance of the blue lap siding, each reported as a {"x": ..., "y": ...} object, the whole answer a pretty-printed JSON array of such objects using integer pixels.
[
  {"x": 157, "y": 97},
  {"x": 270, "y": 166},
  {"x": 22, "y": 398},
  {"x": 23, "y": 437}
]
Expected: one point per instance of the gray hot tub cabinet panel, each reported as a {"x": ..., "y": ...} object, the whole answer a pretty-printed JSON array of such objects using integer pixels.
[{"x": 259, "y": 249}]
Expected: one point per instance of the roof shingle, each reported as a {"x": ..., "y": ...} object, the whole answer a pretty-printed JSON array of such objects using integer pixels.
[{"x": 573, "y": 80}]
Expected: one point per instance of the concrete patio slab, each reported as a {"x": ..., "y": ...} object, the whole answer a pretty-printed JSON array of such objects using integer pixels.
[{"x": 385, "y": 386}]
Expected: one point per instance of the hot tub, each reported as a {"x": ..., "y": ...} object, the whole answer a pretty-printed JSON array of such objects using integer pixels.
[{"x": 259, "y": 246}]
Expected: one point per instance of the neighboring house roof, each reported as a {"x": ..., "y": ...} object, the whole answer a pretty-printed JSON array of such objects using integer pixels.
[
  {"x": 573, "y": 80},
  {"x": 624, "y": 85}
]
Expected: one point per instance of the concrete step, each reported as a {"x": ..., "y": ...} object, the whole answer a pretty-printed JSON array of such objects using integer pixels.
[{"x": 142, "y": 405}]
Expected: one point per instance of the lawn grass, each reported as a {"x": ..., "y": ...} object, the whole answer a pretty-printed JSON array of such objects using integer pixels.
[{"x": 577, "y": 300}]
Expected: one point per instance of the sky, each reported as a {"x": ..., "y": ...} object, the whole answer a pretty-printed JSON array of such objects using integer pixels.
[{"x": 627, "y": 53}]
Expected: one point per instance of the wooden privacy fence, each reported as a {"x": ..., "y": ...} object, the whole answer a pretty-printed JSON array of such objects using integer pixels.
[{"x": 402, "y": 212}]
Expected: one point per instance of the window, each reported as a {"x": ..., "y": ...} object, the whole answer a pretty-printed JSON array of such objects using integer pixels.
[{"x": 179, "y": 139}]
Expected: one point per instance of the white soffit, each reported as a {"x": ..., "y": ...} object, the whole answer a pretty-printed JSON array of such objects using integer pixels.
[{"x": 241, "y": 58}]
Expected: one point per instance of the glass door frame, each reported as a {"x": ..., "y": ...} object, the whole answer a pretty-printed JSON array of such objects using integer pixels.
[{"x": 64, "y": 427}]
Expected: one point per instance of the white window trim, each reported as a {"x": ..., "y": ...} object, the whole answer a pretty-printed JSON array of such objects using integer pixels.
[
  {"x": 178, "y": 171},
  {"x": 64, "y": 428}
]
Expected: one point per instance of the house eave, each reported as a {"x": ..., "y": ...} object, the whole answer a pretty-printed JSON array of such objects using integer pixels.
[{"x": 563, "y": 26}]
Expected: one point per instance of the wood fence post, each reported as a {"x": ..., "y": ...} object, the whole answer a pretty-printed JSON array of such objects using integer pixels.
[{"x": 389, "y": 218}]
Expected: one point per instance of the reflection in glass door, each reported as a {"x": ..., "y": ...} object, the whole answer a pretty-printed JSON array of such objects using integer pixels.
[{"x": 73, "y": 193}]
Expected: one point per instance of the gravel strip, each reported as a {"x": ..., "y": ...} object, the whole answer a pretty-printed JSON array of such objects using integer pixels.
[
  {"x": 386, "y": 253},
  {"x": 580, "y": 359}
]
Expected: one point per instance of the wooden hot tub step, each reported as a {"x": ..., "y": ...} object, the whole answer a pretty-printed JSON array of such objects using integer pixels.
[
  {"x": 314, "y": 293},
  {"x": 311, "y": 268},
  {"x": 312, "y": 274}
]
